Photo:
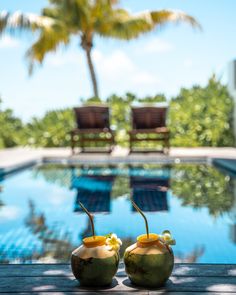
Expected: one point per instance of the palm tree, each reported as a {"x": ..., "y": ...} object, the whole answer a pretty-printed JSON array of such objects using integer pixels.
[{"x": 86, "y": 19}]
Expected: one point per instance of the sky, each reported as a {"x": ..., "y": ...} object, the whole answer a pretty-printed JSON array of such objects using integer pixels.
[{"x": 158, "y": 62}]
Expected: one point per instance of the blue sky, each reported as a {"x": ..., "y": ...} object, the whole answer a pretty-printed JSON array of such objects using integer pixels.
[{"x": 159, "y": 62}]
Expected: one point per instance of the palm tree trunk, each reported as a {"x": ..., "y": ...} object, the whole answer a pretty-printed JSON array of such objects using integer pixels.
[{"x": 92, "y": 71}]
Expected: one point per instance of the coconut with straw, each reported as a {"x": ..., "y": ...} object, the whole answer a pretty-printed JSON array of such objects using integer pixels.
[
  {"x": 91, "y": 264},
  {"x": 150, "y": 261},
  {"x": 147, "y": 239},
  {"x": 94, "y": 240}
]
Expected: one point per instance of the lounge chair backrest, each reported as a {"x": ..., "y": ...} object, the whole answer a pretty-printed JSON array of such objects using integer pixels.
[
  {"x": 148, "y": 117},
  {"x": 92, "y": 117}
]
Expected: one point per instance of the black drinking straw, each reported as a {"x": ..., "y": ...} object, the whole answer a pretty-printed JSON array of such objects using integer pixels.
[{"x": 90, "y": 218}]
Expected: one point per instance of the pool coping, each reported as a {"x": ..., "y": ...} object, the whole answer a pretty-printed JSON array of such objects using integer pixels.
[
  {"x": 71, "y": 161},
  {"x": 118, "y": 160},
  {"x": 63, "y": 157}
]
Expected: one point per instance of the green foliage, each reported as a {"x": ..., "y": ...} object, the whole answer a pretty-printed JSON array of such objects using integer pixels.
[
  {"x": 199, "y": 116},
  {"x": 202, "y": 116},
  {"x": 11, "y": 129},
  {"x": 52, "y": 130}
]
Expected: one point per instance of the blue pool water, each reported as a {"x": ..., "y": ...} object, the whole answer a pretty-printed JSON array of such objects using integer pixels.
[{"x": 41, "y": 221}]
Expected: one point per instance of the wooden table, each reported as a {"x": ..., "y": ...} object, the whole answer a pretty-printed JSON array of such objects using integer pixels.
[{"x": 187, "y": 279}]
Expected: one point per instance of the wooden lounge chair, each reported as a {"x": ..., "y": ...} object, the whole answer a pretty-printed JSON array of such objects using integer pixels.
[
  {"x": 148, "y": 121},
  {"x": 93, "y": 125}
]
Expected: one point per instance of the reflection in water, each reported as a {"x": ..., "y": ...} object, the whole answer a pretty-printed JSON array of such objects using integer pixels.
[
  {"x": 233, "y": 216},
  {"x": 94, "y": 192},
  {"x": 87, "y": 232},
  {"x": 121, "y": 187},
  {"x": 191, "y": 257},
  {"x": 55, "y": 245},
  {"x": 36, "y": 222},
  {"x": 37, "y": 242},
  {"x": 174, "y": 192},
  {"x": 202, "y": 186},
  {"x": 150, "y": 193},
  {"x": 1, "y": 190},
  {"x": 55, "y": 174}
]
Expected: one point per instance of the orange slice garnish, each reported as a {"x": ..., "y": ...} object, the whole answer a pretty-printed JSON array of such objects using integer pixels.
[
  {"x": 146, "y": 241},
  {"x": 94, "y": 241}
]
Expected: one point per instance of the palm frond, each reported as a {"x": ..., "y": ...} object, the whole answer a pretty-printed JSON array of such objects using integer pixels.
[
  {"x": 73, "y": 13},
  {"x": 163, "y": 17},
  {"x": 123, "y": 25},
  {"x": 4, "y": 15},
  {"x": 49, "y": 41},
  {"x": 19, "y": 20}
]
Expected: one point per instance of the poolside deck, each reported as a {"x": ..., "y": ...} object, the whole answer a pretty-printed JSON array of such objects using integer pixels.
[
  {"x": 57, "y": 279},
  {"x": 17, "y": 158}
]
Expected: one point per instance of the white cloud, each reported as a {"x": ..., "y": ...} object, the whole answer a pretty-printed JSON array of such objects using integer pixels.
[
  {"x": 8, "y": 42},
  {"x": 117, "y": 63},
  {"x": 120, "y": 72},
  {"x": 145, "y": 78},
  {"x": 63, "y": 58},
  {"x": 157, "y": 45},
  {"x": 116, "y": 70},
  {"x": 188, "y": 63},
  {"x": 9, "y": 212}
]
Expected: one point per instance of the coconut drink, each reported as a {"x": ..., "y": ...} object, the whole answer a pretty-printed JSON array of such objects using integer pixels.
[
  {"x": 96, "y": 261},
  {"x": 150, "y": 261}
]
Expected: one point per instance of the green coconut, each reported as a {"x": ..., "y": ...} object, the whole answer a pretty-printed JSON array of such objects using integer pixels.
[
  {"x": 93, "y": 263},
  {"x": 94, "y": 271},
  {"x": 150, "y": 270},
  {"x": 150, "y": 261}
]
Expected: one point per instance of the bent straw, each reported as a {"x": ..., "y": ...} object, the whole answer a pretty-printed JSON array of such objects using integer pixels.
[
  {"x": 145, "y": 218},
  {"x": 90, "y": 218}
]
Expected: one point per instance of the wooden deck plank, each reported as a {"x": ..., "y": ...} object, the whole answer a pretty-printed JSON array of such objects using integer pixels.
[
  {"x": 127, "y": 293},
  {"x": 180, "y": 270},
  {"x": 58, "y": 279},
  {"x": 66, "y": 284}
]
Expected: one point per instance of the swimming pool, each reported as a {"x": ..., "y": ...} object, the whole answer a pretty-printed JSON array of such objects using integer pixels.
[{"x": 41, "y": 221}]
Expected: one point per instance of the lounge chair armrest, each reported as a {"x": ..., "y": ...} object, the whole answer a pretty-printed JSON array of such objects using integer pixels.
[{"x": 153, "y": 130}]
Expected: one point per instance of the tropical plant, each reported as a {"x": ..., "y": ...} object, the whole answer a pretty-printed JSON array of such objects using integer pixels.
[
  {"x": 199, "y": 116},
  {"x": 85, "y": 19},
  {"x": 51, "y": 130},
  {"x": 202, "y": 116},
  {"x": 11, "y": 128}
]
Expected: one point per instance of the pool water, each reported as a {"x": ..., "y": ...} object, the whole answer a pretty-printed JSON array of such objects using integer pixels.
[{"x": 41, "y": 220}]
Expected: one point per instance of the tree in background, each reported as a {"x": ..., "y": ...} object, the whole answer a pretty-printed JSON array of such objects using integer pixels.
[
  {"x": 199, "y": 116},
  {"x": 50, "y": 131},
  {"x": 11, "y": 129},
  {"x": 85, "y": 19},
  {"x": 202, "y": 116}
]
